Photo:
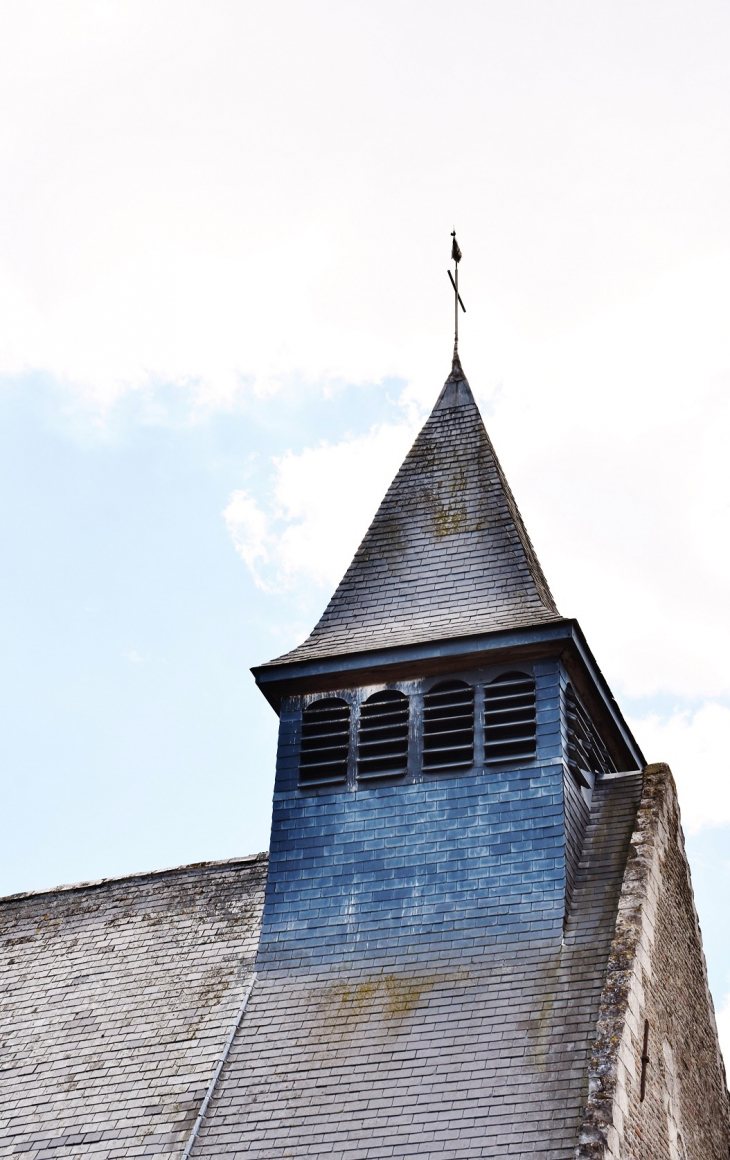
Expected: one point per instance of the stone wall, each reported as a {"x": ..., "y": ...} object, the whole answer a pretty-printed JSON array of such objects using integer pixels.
[{"x": 656, "y": 975}]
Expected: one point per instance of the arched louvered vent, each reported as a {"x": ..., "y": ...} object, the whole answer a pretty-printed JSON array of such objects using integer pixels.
[
  {"x": 509, "y": 718},
  {"x": 586, "y": 751},
  {"x": 325, "y": 742},
  {"x": 383, "y": 741},
  {"x": 448, "y": 726}
]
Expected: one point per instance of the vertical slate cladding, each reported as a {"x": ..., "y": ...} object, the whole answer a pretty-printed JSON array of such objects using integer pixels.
[
  {"x": 578, "y": 796},
  {"x": 577, "y": 813},
  {"x": 577, "y": 804},
  {"x": 442, "y": 863}
]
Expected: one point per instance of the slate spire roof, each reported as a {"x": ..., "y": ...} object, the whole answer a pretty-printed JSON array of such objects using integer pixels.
[{"x": 447, "y": 554}]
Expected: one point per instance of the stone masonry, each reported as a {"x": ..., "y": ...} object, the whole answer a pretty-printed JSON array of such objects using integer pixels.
[{"x": 656, "y": 974}]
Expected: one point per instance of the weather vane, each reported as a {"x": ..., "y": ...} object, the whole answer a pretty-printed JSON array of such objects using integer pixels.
[{"x": 456, "y": 255}]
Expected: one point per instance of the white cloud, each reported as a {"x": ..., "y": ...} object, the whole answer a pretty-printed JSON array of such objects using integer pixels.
[
  {"x": 135, "y": 658},
  {"x": 249, "y": 529},
  {"x": 321, "y": 503},
  {"x": 614, "y": 436},
  {"x": 209, "y": 194},
  {"x": 328, "y": 495},
  {"x": 695, "y": 745}
]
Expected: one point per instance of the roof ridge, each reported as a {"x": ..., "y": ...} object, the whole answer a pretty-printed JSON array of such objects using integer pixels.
[{"x": 244, "y": 860}]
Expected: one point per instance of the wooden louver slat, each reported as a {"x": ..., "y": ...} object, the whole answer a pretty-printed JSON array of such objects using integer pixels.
[
  {"x": 325, "y": 742},
  {"x": 586, "y": 751},
  {"x": 383, "y": 736},
  {"x": 448, "y": 727},
  {"x": 509, "y": 718}
]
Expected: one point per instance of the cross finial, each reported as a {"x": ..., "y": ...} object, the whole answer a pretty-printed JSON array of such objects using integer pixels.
[{"x": 456, "y": 255}]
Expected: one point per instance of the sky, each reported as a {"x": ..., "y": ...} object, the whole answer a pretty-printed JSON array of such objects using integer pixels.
[{"x": 224, "y": 314}]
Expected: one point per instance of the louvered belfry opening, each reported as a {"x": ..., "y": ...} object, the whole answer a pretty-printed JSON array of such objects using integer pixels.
[
  {"x": 586, "y": 752},
  {"x": 509, "y": 718},
  {"x": 383, "y": 738},
  {"x": 325, "y": 742},
  {"x": 448, "y": 726}
]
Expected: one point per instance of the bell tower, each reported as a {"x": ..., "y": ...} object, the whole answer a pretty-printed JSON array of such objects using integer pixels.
[{"x": 442, "y": 728}]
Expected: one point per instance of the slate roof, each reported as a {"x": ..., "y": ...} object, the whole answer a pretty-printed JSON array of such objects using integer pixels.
[
  {"x": 447, "y": 553},
  {"x": 482, "y": 1053},
  {"x": 116, "y": 1000}
]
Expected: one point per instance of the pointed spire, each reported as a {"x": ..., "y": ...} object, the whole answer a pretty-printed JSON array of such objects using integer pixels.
[
  {"x": 447, "y": 554},
  {"x": 456, "y": 391}
]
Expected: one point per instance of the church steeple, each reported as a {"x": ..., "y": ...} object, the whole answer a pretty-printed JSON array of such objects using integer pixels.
[
  {"x": 440, "y": 703},
  {"x": 447, "y": 554}
]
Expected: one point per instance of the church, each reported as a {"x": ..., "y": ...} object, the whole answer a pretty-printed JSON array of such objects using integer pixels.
[{"x": 473, "y": 935}]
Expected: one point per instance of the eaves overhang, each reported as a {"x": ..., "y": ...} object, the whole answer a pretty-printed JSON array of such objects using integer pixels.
[{"x": 562, "y": 638}]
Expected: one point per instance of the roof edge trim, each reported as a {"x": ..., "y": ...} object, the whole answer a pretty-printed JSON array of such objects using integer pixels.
[
  {"x": 244, "y": 860},
  {"x": 275, "y": 680},
  {"x": 270, "y": 672}
]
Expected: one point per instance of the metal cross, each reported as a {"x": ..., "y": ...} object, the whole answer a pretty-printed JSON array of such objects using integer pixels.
[{"x": 456, "y": 255}]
